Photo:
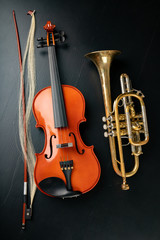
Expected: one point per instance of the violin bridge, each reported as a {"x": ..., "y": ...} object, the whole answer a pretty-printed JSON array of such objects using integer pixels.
[{"x": 64, "y": 145}]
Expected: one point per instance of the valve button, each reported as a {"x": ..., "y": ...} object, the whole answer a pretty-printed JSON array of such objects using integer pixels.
[
  {"x": 104, "y": 119},
  {"x": 105, "y": 126},
  {"x": 105, "y": 134}
]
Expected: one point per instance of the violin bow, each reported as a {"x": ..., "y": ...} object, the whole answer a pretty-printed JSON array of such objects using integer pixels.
[{"x": 24, "y": 137}]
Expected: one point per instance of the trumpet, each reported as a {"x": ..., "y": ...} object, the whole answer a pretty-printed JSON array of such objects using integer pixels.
[{"x": 127, "y": 124}]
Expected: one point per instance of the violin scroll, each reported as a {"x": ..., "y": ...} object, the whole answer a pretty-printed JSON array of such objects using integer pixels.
[
  {"x": 51, "y": 37},
  {"x": 49, "y": 27}
]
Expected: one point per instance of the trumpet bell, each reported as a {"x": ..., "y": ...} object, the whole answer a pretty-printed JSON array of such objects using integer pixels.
[{"x": 102, "y": 60}]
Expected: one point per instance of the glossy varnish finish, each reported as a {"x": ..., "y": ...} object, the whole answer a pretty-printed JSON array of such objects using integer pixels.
[
  {"x": 66, "y": 167},
  {"x": 86, "y": 168}
]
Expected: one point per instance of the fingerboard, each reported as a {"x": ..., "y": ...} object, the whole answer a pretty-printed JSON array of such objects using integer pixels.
[{"x": 60, "y": 118}]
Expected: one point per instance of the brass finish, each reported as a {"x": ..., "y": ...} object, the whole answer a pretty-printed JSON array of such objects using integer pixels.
[{"x": 130, "y": 124}]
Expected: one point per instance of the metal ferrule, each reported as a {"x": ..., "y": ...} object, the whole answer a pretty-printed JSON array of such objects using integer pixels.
[{"x": 25, "y": 188}]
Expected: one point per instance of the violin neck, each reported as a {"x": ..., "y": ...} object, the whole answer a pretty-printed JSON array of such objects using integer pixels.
[{"x": 60, "y": 119}]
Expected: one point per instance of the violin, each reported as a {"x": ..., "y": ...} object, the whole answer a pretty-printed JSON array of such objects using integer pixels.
[{"x": 66, "y": 167}]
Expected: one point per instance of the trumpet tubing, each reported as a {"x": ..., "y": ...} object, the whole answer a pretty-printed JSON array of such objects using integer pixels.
[{"x": 130, "y": 124}]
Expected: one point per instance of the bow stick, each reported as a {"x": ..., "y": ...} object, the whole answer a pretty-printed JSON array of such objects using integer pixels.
[{"x": 26, "y": 211}]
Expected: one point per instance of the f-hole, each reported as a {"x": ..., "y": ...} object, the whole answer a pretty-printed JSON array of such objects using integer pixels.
[
  {"x": 51, "y": 148},
  {"x": 75, "y": 139}
]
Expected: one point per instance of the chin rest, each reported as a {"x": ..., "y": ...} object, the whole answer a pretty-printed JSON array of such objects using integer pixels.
[{"x": 56, "y": 187}]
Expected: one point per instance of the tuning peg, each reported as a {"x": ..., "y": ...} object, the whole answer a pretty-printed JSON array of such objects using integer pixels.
[
  {"x": 60, "y": 36},
  {"x": 62, "y": 39},
  {"x": 41, "y": 39},
  {"x": 42, "y": 42},
  {"x": 44, "y": 39},
  {"x": 41, "y": 45}
]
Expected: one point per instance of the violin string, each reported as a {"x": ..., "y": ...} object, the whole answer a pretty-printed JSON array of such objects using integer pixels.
[
  {"x": 61, "y": 135},
  {"x": 67, "y": 140},
  {"x": 52, "y": 63},
  {"x": 63, "y": 131}
]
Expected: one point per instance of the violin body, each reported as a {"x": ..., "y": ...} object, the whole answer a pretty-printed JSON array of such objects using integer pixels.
[
  {"x": 66, "y": 167},
  {"x": 86, "y": 168}
]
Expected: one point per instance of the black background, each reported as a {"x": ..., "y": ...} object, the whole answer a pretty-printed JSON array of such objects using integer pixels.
[{"x": 106, "y": 212}]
